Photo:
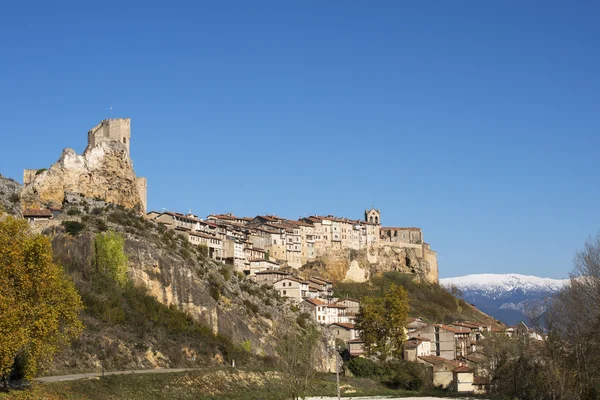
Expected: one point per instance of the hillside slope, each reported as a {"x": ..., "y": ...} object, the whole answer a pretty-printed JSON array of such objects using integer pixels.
[
  {"x": 429, "y": 301},
  {"x": 180, "y": 308}
]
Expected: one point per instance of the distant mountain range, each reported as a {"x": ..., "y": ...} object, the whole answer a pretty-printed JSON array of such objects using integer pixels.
[{"x": 505, "y": 297}]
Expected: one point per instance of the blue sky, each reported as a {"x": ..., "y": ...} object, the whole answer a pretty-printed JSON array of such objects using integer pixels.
[{"x": 477, "y": 121}]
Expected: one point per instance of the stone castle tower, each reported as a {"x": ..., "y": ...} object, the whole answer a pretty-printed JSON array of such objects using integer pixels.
[
  {"x": 373, "y": 216},
  {"x": 103, "y": 171},
  {"x": 110, "y": 130}
]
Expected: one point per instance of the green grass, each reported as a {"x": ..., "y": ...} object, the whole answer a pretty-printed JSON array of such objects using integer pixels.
[{"x": 198, "y": 385}]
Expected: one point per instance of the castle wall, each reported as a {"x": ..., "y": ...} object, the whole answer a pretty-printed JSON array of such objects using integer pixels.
[
  {"x": 142, "y": 187},
  {"x": 111, "y": 130},
  {"x": 431, "y": 258}
]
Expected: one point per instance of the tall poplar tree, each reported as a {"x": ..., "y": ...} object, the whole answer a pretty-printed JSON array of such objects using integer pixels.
[{"x": 39, "y": 305}]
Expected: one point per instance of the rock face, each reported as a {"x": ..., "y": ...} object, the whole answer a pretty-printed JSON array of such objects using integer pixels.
[
  {"x": 406, "y": 260},
  {"x": 10, "y": 191},
  {"x": 103, "y": 171},
  {"x": 242, "y": 312}
]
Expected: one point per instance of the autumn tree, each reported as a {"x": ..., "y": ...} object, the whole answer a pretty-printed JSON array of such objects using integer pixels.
[
  {"x": 39, "y": 306},
  {"x": 110, "y": 257},
  {"x": 381, "y": 322}
]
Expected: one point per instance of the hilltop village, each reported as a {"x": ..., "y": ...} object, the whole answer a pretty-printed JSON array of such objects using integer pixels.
[{"x": 273, "y": 251}]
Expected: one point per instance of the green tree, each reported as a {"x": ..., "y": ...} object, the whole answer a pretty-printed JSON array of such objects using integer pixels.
[
  {"x": 39, "y": 305},
  {"x": 381, "y": 322},
  {"x": 110, "y": 257}
]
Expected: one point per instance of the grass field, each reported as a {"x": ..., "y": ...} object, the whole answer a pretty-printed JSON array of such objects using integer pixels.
[{"x": 197, "y": 385}]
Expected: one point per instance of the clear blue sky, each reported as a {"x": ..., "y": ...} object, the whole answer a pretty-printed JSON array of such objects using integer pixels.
[{"x": 477, "y": 121}]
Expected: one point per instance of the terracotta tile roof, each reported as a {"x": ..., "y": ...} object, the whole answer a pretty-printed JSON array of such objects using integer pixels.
[
  {"x": 203, "y": 235},
  {"x": 271, "y": 272},
  {"x": 315, "y": 302},
  {"x": 420, "y": 339},
  {"x": 33, "y": 212}
]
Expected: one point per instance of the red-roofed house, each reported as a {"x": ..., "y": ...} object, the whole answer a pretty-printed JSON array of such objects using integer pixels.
[
  {"x": 416, "y": 347},
  {"x": 343, "y": 331}
]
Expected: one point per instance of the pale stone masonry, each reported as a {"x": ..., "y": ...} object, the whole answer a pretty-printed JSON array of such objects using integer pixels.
[{"x": 295, "y": 243}]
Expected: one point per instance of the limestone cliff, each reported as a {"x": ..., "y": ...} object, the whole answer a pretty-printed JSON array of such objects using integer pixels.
[
  {"x": 9, "y": 195},
  {"x": 176, "y": 275},
  {"x": 104, "y": 171},
  {"x": 358, "y": 266}
]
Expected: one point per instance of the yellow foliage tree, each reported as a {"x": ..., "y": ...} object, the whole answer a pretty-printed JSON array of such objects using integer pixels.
[
  {"x": 39, "y": 305},
  {"x": 381, "y": 322}
]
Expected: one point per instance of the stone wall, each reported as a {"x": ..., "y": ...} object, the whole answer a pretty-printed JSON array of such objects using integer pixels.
[
  {"x": 104, "y": 171},
  {"x": 110, "y": 130}
]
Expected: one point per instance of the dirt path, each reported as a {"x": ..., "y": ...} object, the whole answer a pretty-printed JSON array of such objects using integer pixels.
[{"x": 97, "y": 374}]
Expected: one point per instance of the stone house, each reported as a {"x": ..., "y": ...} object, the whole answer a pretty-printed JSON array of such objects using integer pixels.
[
  {"x": 213, "y": 243},
  {"x": 323, "y": 312},
  {"x": 463, "y": 380},
  {"x": 443, "y": 369},
  {"x": 443, "y": 340},
  {"x": 269, "y": 277},
  {"x": 292, "y": 288},
  {"x": 234, "y": 253},
  {"x": 324, "y": 287},
  {"x": 260, "y": 264},
  {"x": 343, "y": 331},
  {"x": 352, "y": 305},
  {"x": 34, "y": 214},
  {"x": 416, "y": 347}
]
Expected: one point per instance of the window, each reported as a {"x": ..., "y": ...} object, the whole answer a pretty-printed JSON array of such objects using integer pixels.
[{"x": 284, "y": 293}]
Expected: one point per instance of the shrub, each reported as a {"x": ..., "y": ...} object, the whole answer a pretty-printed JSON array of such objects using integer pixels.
[
  {"x": 39, "y": 171},
  {"x": 97, "y": 211},
  {"x": 251, "y": 307},
  {"x": 226, "y": 272},
  {"x": 73, "y": 211},
  {"x": 364, "y": 368},
  {"x": 14, "y": 198},
  {"x": 215, "y": 292},
  {"x": 73, "y": 228}
]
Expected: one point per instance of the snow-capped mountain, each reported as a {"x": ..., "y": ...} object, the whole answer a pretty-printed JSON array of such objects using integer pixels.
[{"x": 505, "y": 296}]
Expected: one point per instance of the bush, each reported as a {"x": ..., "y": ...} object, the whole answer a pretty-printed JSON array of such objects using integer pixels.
[
  {"x": 215, "y": 292},
  {"x": 226, "y": 272},
  {"x": 73, "y": 211},
  {"x": 73, "y": 228},
  {"x": 14, "y": 198},
  {"x": 407, "y": 376},
  {"x": 364, "y": 368}
]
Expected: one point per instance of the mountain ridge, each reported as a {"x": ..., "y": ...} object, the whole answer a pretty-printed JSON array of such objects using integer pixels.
[{"x": 507, "y": 297}]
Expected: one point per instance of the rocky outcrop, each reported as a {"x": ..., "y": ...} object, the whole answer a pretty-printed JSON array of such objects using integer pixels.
[
  {"x": 358, "y": 266},
  {"x": 104, "y": 171},
  {"x": 10, "y": 191}
]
